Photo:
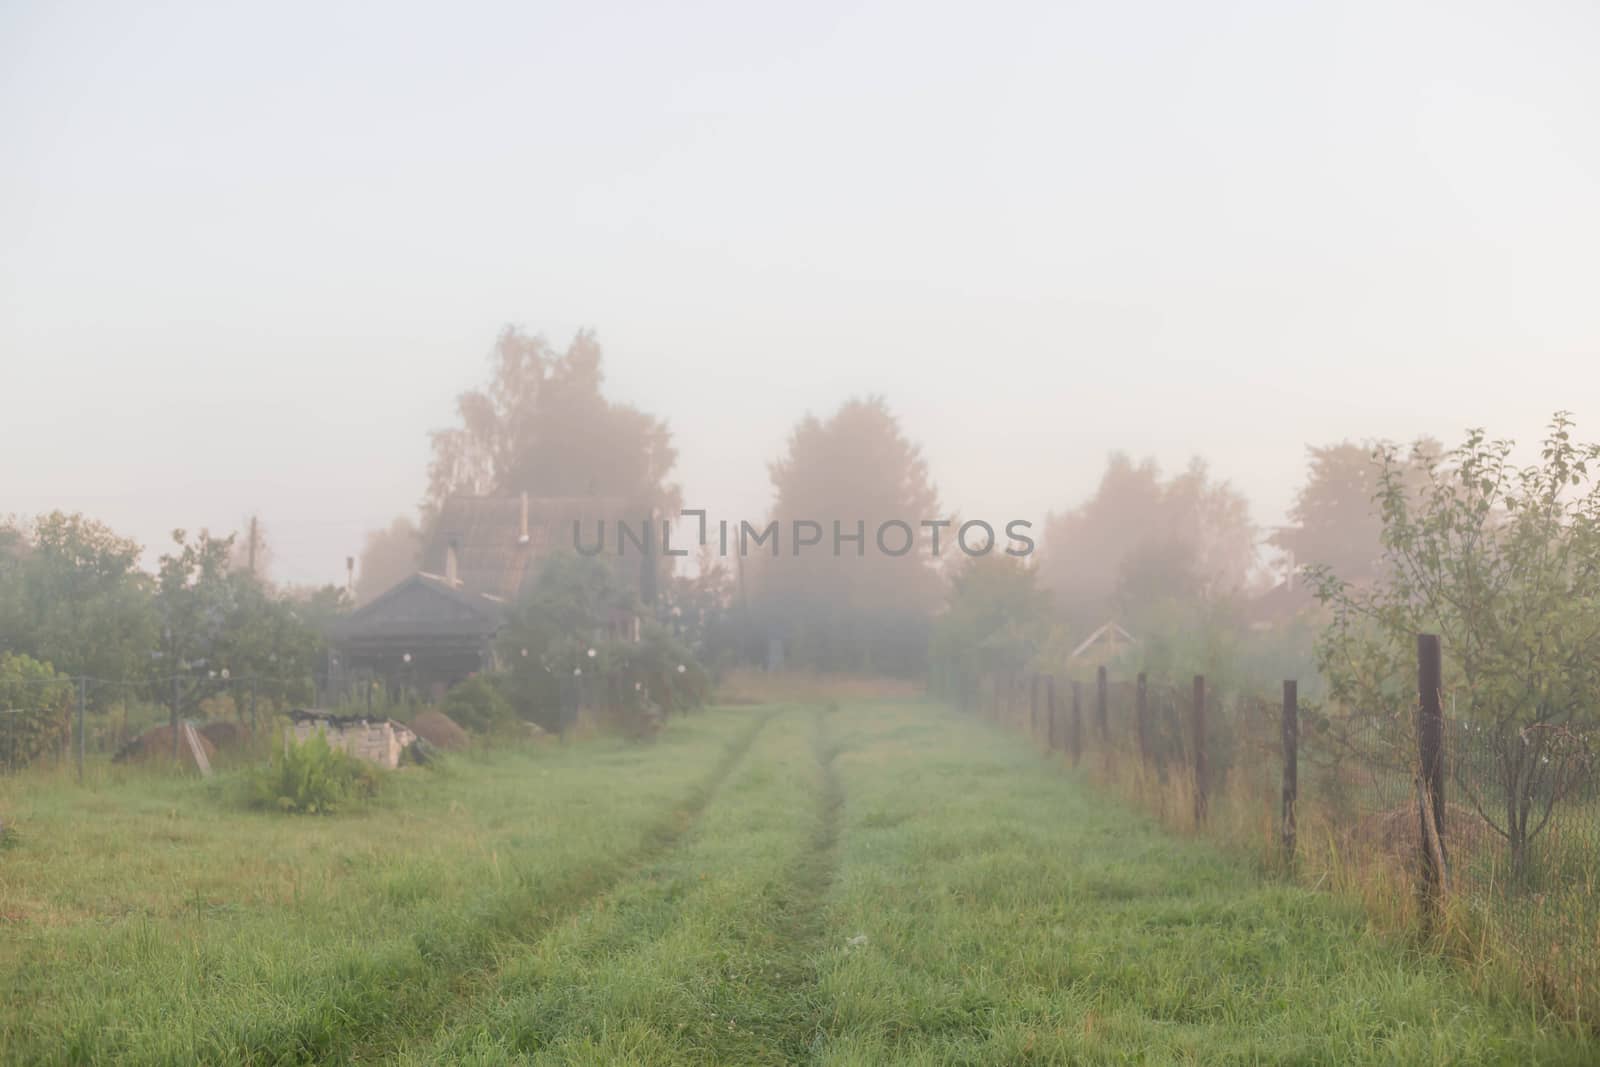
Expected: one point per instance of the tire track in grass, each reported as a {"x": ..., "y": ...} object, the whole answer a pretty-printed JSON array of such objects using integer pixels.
[
  {"x": 705, "y": 959},
  {"x": 797, "y": 1025},
  {"x": 529, "y": 921},
  {"x": 1021, "y": 919}
]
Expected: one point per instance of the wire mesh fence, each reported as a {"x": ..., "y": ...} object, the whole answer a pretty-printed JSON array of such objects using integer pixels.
[
  {"x": 1505, "y": 852},
  {"x": 1523, "y": 842},
  {"x": 63, "y": 721}
]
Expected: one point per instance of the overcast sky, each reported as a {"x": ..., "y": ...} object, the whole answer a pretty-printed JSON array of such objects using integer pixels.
[{"x": 250, "y": 253}]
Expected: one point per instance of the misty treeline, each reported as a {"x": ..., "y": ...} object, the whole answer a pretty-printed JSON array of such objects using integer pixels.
[
  {"x": 1173, "y": 557},
  {"x": 1381, "y": 541}
]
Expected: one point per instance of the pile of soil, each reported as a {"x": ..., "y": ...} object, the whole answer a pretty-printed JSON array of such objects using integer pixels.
[
  {"x": 1399, "y": 831},
  {"x": 224, "y": 735},
  {"x": 156, "y": 744},
  {"x": 439, "y": 730}
]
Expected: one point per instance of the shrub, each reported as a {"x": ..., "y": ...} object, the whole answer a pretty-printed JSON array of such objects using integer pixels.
[
  {"x": 478, "y": 706},
  {"x": 35, "y": 705},
  {"x": 313, "y": 778}
]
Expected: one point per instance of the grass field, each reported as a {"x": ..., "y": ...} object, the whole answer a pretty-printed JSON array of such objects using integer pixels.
[{"x": 884, "y": 882}]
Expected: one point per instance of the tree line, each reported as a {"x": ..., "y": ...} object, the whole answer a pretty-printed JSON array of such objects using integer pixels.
[{"x": 1381, "y": 541}]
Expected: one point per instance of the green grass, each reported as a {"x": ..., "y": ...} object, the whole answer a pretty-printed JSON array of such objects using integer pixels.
[
  {"x": 884, "y": 883},
  {"x": 150, "y": 921}
]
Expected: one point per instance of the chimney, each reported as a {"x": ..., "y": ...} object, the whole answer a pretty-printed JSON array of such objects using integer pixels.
[
  {"x": 450, "y": 563},
  {"x": 522, "y": 538}
]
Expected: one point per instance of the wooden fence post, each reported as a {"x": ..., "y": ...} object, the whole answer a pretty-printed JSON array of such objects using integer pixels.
[
  {"x": 1291, "y": 764},
  {"x": 1033, "y": 707},
  {"x": 1104, "y": 721},
  {"x": 1430, "y": 750},
  {"x": 83, "y": 701},
  {"x": 1141, "y": 712},
  {"x": 1199, "y": 750},
  {"x": 1077, "y": 721},
  {"x": 1052, "y": 735}
]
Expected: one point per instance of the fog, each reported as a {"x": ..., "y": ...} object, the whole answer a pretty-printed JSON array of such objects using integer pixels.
[{"x": 249, "y": 258}]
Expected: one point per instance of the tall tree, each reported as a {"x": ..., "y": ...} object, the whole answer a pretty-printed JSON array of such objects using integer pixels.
[
  {"x": 1335, "y": 520},
  {"x": 1141, "y": 541},
  {"x": 847, "y": 605},
  {"x": 196, "y": 598},
  {"x": 219, "y": 624},
  {"x": 541, "y": 425},
  {"x": 389, "y": 556}
]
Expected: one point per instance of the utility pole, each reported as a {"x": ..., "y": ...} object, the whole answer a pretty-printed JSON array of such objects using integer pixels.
[{"x": 253, "y": 536}]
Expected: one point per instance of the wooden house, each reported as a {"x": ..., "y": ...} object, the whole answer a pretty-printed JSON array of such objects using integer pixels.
[{"x": 438, "y": 626}]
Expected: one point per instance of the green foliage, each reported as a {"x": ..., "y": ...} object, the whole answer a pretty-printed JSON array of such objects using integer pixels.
[
  {"x": 704, "y": 613},
  {"x": 216, "y": 618},
  {"x": 571, "y": 608},
  {"x": 1503, "y": 562},
  {"x": 578, "y": 604},
  {"x": 996, "y": 621},
  {"x": 71, "y": 593},
  {"x": 654, "y": 663},
  {"x": 313, "y": 778},
  {"x": 476, "y": 705},
  {"x": 35, "y": 705}
]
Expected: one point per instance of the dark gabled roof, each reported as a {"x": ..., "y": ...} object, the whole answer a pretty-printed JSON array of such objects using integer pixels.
[
  {"x": 486, "y": 531},
  {"x": 422, "y": 606}
]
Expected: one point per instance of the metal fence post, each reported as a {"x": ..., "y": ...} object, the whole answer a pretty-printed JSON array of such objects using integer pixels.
[
  {"x": 1291, "y": 764},
  {"x": 1430, "y": 750},
  {"x": 1199, "y": 750}
]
